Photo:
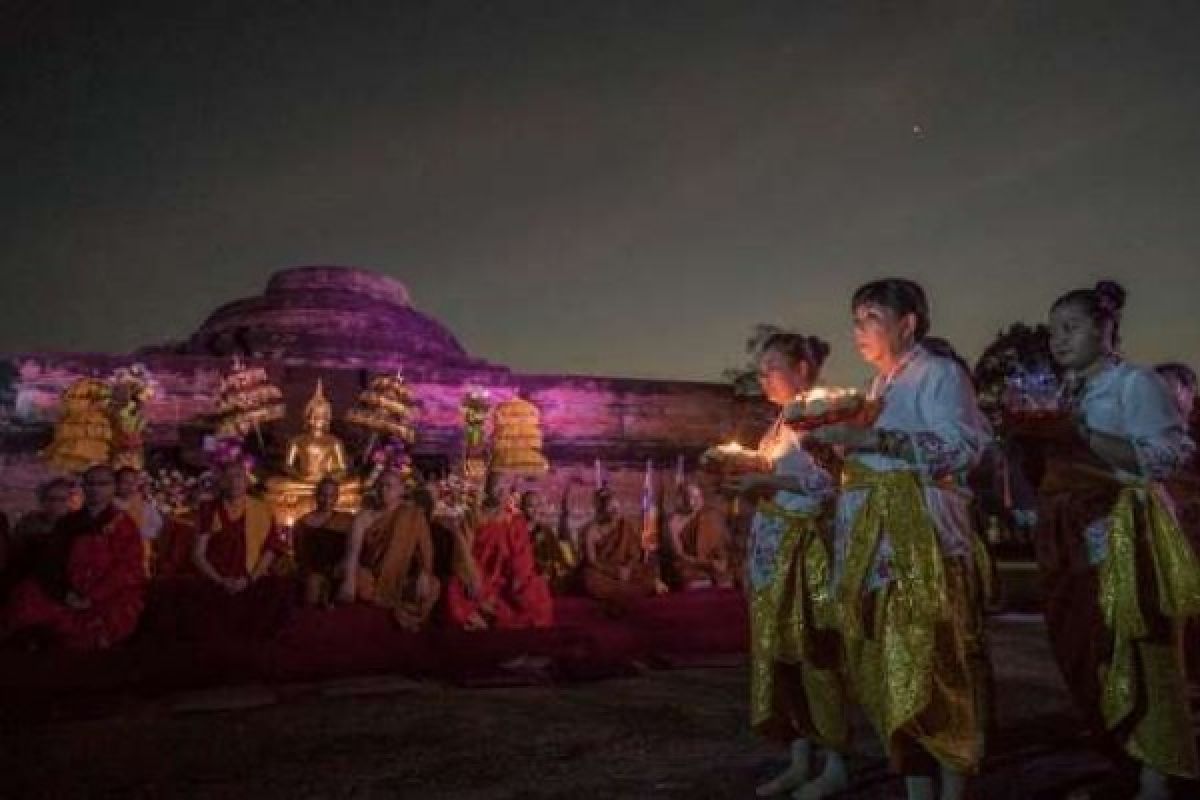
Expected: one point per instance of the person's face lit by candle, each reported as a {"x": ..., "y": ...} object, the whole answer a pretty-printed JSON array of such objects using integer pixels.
[{"x": 781, "y": 379}]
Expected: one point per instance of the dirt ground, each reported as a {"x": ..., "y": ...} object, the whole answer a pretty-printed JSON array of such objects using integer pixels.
[{"x": 664, "y": 734}]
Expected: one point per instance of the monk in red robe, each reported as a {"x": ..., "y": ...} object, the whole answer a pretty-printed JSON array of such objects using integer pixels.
[
  {"x": 236, "y": 544},
  {"x": 496, "y": 583},
  {"x": 615, "y": 570},
  {"x": 389, "y": 558},
  {"x": 98, "y": 594}
]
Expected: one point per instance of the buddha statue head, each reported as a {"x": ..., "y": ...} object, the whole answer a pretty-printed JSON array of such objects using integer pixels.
[{"x": 318, "y": 413}]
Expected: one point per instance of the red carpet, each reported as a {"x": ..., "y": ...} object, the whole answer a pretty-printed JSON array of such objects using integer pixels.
[{"x": 584, "y": 644}]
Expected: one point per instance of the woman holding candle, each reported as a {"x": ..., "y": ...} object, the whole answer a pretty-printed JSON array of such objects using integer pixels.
[
  {"x": 907, "y": 583},
  {"x": 1120, "y": 575},
  {"x": 796, "y": 693}
]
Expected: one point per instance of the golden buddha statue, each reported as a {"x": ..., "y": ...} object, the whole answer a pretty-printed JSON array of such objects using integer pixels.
[{"x": 312, "y": 455}]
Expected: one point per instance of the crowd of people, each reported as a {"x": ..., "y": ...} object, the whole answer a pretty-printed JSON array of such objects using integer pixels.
[
  {"x": 436, "y": 553},
  {"x": 865, "y": 571},
  {"x": 868, "y": 589}
]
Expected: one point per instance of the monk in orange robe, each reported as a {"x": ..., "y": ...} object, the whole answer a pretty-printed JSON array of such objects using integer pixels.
[
  {"x": 98, "y": 596},
  {"x": 700, "y": 545},
  {"x": 496, "y": 583},
  {"x": 615, "y": 570},
  {"x": 389, "y": 559}
]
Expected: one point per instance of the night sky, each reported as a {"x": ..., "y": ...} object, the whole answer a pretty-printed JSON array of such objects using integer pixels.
[{"x": 619, "y": 188}]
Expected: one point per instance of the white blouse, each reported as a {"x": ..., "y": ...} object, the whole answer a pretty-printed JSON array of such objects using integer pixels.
[
  {"x": 931, "y": 399},
  {"x": 1133, "y": 403},
  {"x": 782, "y": 447}
]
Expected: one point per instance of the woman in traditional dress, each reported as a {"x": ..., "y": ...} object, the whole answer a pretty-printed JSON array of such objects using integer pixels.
[
  {"x": 906, "y": 549},
  {"x": 389, "y": 560},
  {"x": 1120, "y": 575},
  {"x": 321, "y": 537},
  {"x": 797, "y": 693}
]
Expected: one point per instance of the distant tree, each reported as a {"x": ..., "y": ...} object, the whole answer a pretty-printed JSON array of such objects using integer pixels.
[{"x": 1020, "y": 349}]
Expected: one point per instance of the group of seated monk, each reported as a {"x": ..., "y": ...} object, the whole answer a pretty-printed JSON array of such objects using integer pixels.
[{"x": 84, "y": 576}]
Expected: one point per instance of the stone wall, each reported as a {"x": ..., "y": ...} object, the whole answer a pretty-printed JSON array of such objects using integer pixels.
[{"x": 622, "y": 422}]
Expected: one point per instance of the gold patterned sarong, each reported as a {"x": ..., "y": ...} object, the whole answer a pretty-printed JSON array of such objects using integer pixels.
[
  {"x": 914, "y": 646},
  {"x": 796, "y": 685},
  {"x": 1143, "y": 687}
]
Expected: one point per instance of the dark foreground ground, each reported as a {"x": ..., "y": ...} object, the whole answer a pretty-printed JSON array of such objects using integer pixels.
[{"x": 665, "y": 734}]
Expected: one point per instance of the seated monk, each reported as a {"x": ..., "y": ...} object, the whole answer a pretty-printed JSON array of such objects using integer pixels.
[
  {"x": 556, "y": 557},
  {"x": 614, "y": 568},
  {"x": 98, "y": 597},
  {"x": 237, "y": 543},
  {"x": 389, "y": 560},
  {"x": 320, "y": 538},
  {"x": 700, "y": 555},
  {"x": 173, "y": 556},
  {"x": 133, "y": 498},
  {"x": 496, "y": 584},
  {"x": 29, "y": 544}
]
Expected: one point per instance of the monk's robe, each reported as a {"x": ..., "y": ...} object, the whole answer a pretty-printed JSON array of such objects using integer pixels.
[
  {"x": 1120, "y": 577},
  {"x": 395, "y": 566},
  {"x": 29, "y": 545},
  {"x": 320, "y": 550},
  {"x": 103, "y": 567},
  {"x": 703, "y": 558},
  {"x": 557, "y": 560},
  {"x": 173, "y": 556},
  {"x": 195, "y": 607},
  {"x": 610, "y": 548},
  {"x": 498, "y": 579},
  {"x": 149, "y": 524}
]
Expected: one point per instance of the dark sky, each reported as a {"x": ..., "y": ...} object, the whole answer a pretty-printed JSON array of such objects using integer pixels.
[{"x": 601, "y": 187}]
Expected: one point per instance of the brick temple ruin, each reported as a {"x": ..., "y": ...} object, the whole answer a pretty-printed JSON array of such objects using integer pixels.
[{"x": 346, "y": 325}]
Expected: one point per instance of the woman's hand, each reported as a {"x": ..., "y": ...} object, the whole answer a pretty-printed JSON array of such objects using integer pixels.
[
  {"x": 851, "y": 437},
  {"x": 749, "y": 483}
]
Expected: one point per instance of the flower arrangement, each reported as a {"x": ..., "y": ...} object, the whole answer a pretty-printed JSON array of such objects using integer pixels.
[
  {"x": 84, "y": 434},
  {"x": 132, "y": 388},
  {"x": 476, "y": 404},
  {"x": 1016, "y": 367},
  {"x": 391, "y": 455},
  {"x": 173, "y": 491}
]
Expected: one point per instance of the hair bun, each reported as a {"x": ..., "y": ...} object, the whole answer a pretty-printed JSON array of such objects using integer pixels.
[
  {"x": 1111, "y": 295},
  {"x": 819, "y": 348}
]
